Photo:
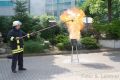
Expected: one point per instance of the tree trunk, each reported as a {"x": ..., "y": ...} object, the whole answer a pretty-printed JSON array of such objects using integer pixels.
[{"x": 109, "y": 10}]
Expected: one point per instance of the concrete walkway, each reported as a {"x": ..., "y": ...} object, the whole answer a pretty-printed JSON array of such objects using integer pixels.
[{"x": 92, "y": 66}]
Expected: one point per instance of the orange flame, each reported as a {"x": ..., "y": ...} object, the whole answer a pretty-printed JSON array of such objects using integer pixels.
[{"x": 76, "y": 24}]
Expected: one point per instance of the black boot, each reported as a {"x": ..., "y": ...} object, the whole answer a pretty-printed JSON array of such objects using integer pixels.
[
  {"x": 22, "y": 69},
  {"x": 14, "y": 71}
]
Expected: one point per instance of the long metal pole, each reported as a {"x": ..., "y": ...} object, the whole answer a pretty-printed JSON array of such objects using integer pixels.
[{"x": 43, "y": 29}]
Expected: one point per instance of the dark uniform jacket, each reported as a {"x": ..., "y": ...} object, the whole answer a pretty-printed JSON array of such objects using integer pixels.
[{"x": 16, "y": 45}]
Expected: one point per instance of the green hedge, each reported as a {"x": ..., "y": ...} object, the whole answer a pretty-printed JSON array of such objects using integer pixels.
[
  {"x": 33, "y": 47},
  {"x": 111, "y": 30},
  {"x": 89, "y": 43},
  {"x": 61, "y": 38},
  {"x": 60, "y": 46},
  {"x": 64, "y": 46},
  {"x": 63, "y": 42}
]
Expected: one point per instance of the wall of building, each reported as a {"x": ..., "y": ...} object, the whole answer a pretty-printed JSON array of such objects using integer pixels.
[
  {"x": 37, "y": 7},
  {"x": 110, "y": 43},
  {"x": 6, "y": 8},
  {"x": 56, "y": 7}
]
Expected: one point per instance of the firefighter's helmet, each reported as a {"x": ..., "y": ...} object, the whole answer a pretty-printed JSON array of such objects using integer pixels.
[{"x": 15, "y": 23}]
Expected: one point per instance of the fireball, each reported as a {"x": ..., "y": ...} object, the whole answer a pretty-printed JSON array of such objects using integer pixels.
[{"x": 74, "y": 21}]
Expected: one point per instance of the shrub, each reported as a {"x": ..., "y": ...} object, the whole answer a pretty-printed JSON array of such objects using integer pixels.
[
  {"x": 60, "y": 46},
  {"x": 61, "y": 39},
  {"x": 52, "y": 41},
  {"x": 89, "y": 43},
  {"x": 33, "y": 47},
  {"x": 5, "y": 25},
  {"x": 67, "y": 46},
  {"x": 63, "y": 42},
  {"x": 64, "y": 46},
  {"x": 111, "y": 30},
  {"x": 44, "y": 23}
]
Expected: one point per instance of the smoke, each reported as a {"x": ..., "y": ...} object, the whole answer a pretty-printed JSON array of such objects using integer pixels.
[{"x": 74, "y": 21}]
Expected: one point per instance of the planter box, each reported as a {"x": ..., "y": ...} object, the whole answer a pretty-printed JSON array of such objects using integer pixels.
[{"x": 110, "y": 43}]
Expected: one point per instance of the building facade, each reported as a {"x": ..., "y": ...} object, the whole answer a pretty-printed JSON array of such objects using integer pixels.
[
  {"x": 6, "y": 8},
  {"x": 38, "y": 7},
  {"x": 35, "y": 7},
  {"x": 56, "y": 7}
]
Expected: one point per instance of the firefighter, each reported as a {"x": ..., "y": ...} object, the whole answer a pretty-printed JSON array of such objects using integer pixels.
[{"x": 16, "y": 44}]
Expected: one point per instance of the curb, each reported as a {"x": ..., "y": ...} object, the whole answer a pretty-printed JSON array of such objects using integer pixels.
[{"x": 64, "y": 52}]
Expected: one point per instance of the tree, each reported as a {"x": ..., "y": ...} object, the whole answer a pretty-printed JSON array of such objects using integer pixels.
[
  {"x": 109, "y": 10},
  {"x": 21, "y": 14},
  {"x": 5, "y": 23},
  {"x": 116, "y": 9},
  {"x": 48, "y": 34},
  {"x": 104, "y": 9}
]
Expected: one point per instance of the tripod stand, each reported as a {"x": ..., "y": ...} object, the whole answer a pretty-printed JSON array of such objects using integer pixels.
[{"x": 74, "y": 43}]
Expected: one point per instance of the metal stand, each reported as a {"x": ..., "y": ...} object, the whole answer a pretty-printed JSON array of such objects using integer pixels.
[{"x": 74, "y": 44}]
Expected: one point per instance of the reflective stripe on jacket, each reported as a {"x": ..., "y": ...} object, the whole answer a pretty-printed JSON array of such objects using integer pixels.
[{"x": 16, "y": 45}]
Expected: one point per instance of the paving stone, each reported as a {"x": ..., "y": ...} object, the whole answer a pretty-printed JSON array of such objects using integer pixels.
[{"x": 91, "y": 67}]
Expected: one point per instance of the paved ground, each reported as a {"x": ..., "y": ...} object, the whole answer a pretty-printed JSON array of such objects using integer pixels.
[{"x": 92, "y": 66}]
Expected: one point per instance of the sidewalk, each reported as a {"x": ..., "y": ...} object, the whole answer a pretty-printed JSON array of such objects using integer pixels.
[{"x": 92, "y": 66}]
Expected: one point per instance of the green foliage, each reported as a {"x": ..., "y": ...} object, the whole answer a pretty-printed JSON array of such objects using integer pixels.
[
  {"x": 67, "y": 45},
  {"x": 95, "y": 6},
  {"x": 36, "y": 45},
  {"x": 33, "y": 47},
  {"x": 48, "y": 34},
  {"x": 5, "y": 23},
  {"x": 5, "y": 26},
  {"x": 35, "y": 23},
  {"x": 64, "y": 46},
  {"x": 116, "y": 9},
  {"x": 63, "y": 42},
  {"x": 21, "y": 8},
  {"x": 98, "y": 9},
  {"x": 44, "y": 20},
  {"x": 46, "y": 45},
  {"x": 21, "y": 14},
  {"x": 61, "y": 38},
  {"x": 60, "y": 46},
  {"x": 89, "y": 43},
  {"x": 111, "y": 30},
  {"x": 38, "y": 38}
]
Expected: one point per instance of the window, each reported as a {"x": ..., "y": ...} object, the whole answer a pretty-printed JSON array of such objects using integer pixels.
[{"x": 5, "y": 3}]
